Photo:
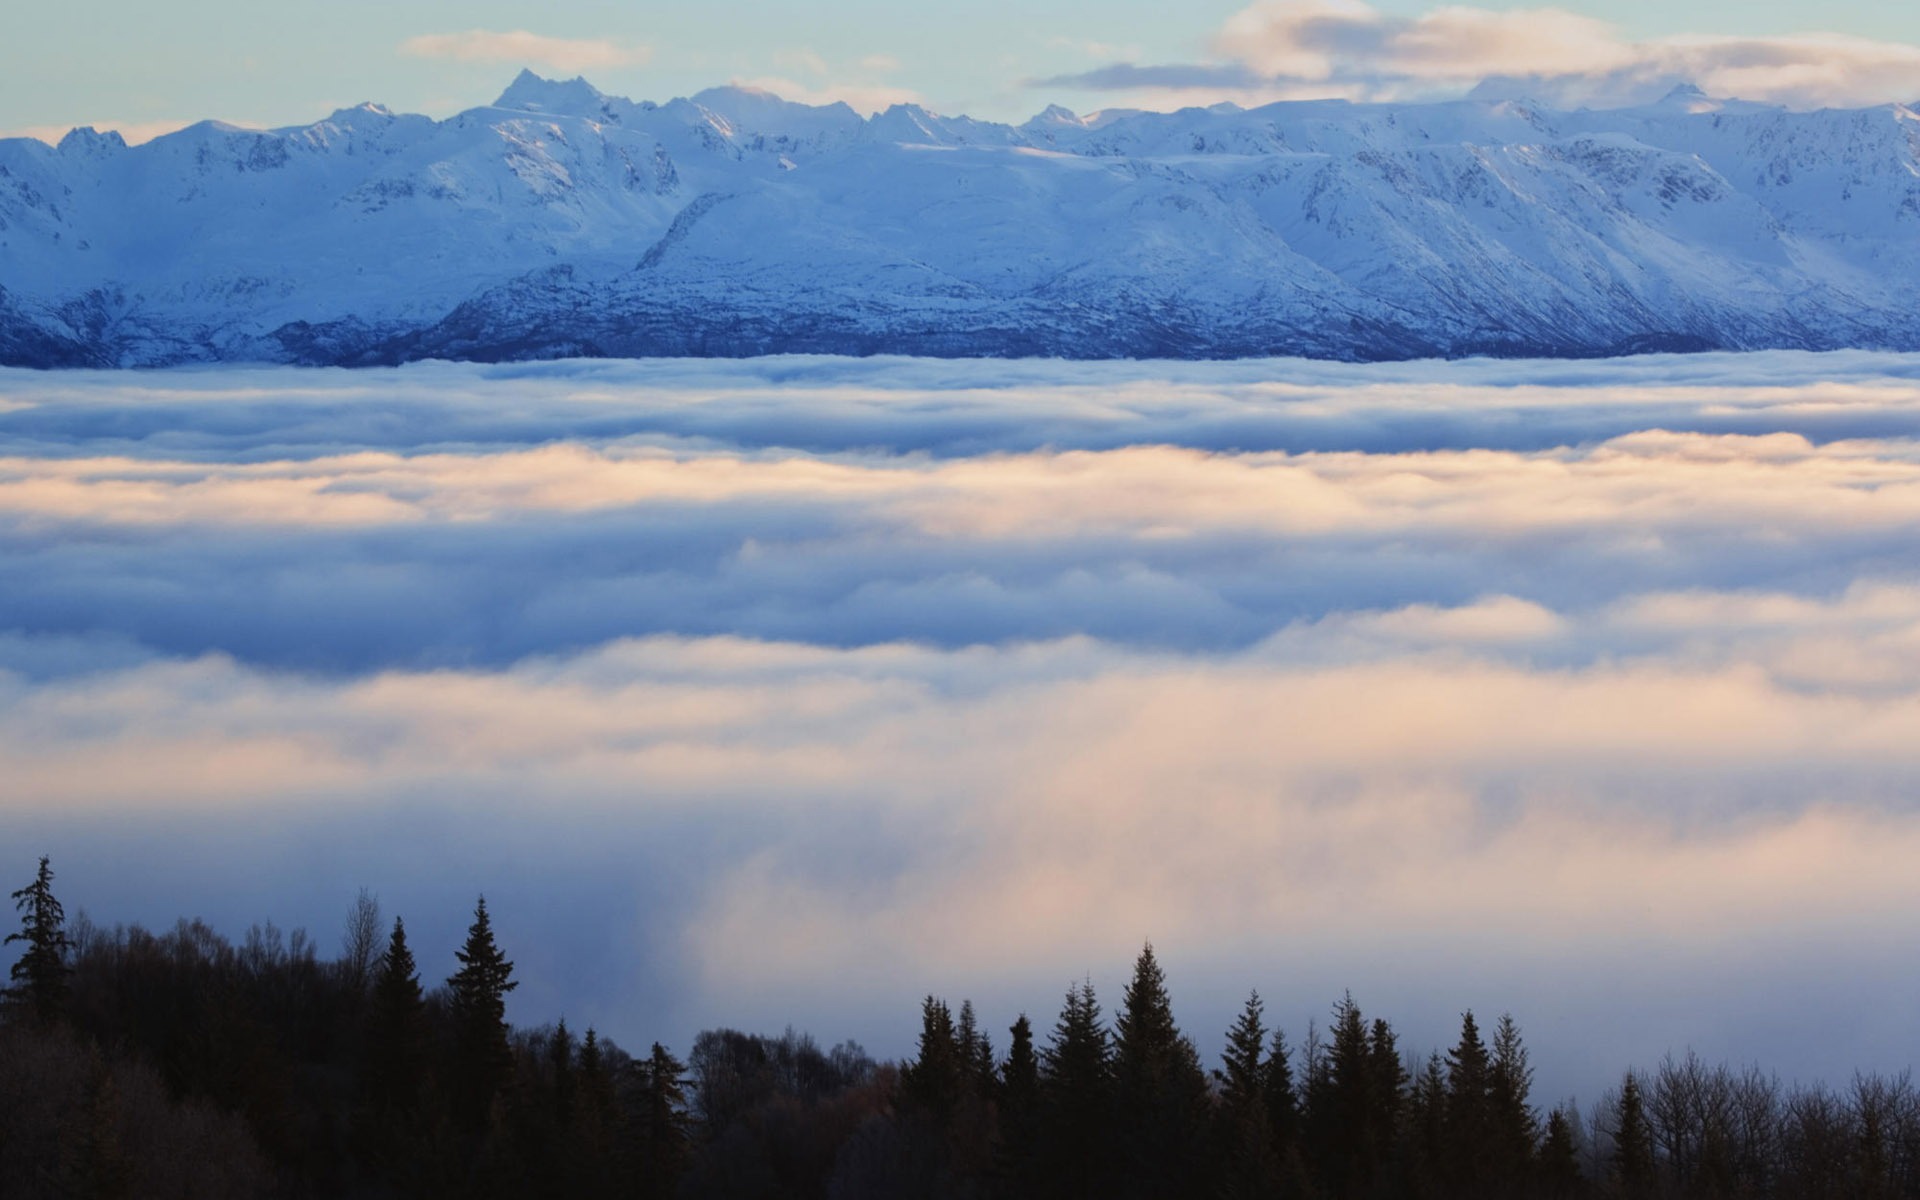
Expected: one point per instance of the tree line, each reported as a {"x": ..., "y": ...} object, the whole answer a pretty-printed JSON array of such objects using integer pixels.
[{"x": 137, "y": 1064}]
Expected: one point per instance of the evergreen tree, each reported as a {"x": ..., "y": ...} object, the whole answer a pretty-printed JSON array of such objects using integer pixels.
[
  {"x": 1559, "y": 1159},
  {"x": 591, "y": 1139},
  {"x": 1249, "y": 1163},
  {"x": 1242, "y": 1079},
  {"x": 596, "y": 1082},
  {"x": 1282, "y": 1102},
  {"x": 1160, "y": 1089},
  {"x": 1283, "y": 1114},
  {"x": 664, "y": 1133},
  {"x": 1350, "y": 1115},
  {"x": 1386, "y": 1098},
  {"x": 395, "y": 1055},
  {"x": 1425, "y": 1140},
  {"x": 972, "y": 1129},
  {"x": 976, "y": 1052},
  {"x": 1019, "y": 1110},
  {"x": 1388, "y": 1075},
  {"x": 40, "y": 974},
  {"x": 1076, "y": 1087},
  {"x": 1633, "y": 1143},
  {"x": 933, "y": 1081},
  {"x": 477, "y": 1003},
  {"x": 1513, "y": 1128},
  {"x": 560, "y": 1064},
  {"x": 1469, "y": 1116}
]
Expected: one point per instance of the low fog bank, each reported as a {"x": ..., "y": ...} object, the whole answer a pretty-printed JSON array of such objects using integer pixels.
[{"x": 1589, "y": 690}]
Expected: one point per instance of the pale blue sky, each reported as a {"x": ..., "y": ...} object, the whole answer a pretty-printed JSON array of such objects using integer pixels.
[{"x": 116, "y": 62}]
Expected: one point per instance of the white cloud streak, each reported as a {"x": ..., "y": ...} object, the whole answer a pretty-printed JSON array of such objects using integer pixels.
[
  {"x": 523, "y": 48},
  {"x": 1296, "y": 49}
]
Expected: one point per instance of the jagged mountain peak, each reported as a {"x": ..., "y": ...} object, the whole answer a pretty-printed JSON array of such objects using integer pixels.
[
  {"x": 85, "y": 139},
  {"x": 570, "y": 97}
]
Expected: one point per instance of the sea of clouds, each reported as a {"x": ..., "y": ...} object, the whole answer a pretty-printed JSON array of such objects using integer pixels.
[{"x": 793, "y": 689}]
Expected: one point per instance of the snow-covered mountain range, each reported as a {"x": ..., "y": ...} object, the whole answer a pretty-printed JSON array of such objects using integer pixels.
[{"x": 561, "y": 221}]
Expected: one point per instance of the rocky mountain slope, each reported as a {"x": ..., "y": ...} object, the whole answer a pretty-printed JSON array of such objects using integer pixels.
[{"x": 561, "y": 221}]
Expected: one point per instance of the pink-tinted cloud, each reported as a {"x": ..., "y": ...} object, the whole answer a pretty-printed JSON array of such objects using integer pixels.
[
  {"x": 1293, "y": 49},
  {"x": 523, "y": 48}
]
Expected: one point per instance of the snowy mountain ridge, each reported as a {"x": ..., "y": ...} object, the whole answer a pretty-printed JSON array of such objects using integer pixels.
[{"x": 563, "y": 221}]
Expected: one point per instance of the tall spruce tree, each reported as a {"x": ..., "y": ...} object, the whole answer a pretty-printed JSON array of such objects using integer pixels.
[
  {"x": 477, "y": 1004},
  {"x": 663, "y": 1133},
  {"x": 395, "y": 1055},
  {"x": 1469, "y": 1110},
  {"x": 1076, "y": 1088},
  {"x": 1019, "y": 1110},
  {"x": 1242, "y": 1063},
  {"x": 932, "y": 1082},
  {"x": 1249, "y": 1163},
  {"x": 976, "y": 1052},
  {"x": 595, "y": 1116},
  {"x": 1350, "y": 1114},
  {"x": 560, "y": 1066},
  {"x": 1389, "y": 1078},
  {"x": 1425, "y": 1140},
  {"x": 1513, "y": 1126},
  {"x": 1633, "y": 1166},
  {"x": 40, "y": 974},
  {"x": 1559, "y": 1159},
  {"x": 1283, "y": 1114},
  {"x": 1386, "y": 1099},
  {"x": 1282, "y": 1100},
  {"x": 1159, "y": 1088},
  {"x": 596, "y": 1084}
]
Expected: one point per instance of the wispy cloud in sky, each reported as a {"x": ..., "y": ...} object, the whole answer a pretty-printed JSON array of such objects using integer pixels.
[
  {"x": 1279, "y": 49},
  {"x": 518, "y": 47}
]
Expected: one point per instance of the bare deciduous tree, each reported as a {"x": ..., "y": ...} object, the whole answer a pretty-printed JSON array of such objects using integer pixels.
[{"x": 360, "y": 943}]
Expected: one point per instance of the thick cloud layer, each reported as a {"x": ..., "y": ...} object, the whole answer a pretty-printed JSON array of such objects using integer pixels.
[{"x": 791, "y": 690}]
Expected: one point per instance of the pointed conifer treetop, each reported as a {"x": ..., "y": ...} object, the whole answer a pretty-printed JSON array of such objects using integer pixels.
[
  {"x": 1277, "y": 1090},
  {"x": 1350, "y": 1055},
  {"x": 1144, "y": 1030},
  {"x": 1632, "y": 1143},
  {"x": 1511, "y": 1073},
  {"x": 976, "y": 1049},
  {"x": 482, "y": 1060},
  {"x": 1077, "y": 1053},
  {"x": 665, "y": 1127},
  {"x": 1021, "y": 1073},
  {"x": 932, "y": 1080},
  {"x": 485, "y": 976},
  {"x": 396, "y": 1038},
  {"x": 1241, "y": 1081},
  {"x": 1467, "y": 1064},
  {"x": 396, "y": 977},
  {"x": 40, "y": 974}
]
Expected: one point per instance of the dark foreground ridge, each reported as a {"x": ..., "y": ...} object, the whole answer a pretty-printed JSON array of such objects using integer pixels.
[
  {"x": 562, "y": 222},
  {"x": 135, "y": 1064}
]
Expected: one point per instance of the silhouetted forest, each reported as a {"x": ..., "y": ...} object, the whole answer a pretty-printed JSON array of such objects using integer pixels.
[{"x": 178, "y": 1064}]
